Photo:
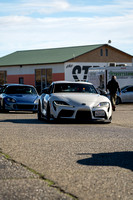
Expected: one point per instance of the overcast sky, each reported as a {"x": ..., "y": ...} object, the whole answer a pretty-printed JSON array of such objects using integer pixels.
[{"x": 40, "y": 24}]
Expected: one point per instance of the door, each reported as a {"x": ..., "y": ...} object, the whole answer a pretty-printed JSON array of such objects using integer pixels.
[
  {"x": 3, "y": 76},
  {"x": 127, "y": 94},
  {"x": 43, "y": 81},
  {"x": 43, "y": 78}
]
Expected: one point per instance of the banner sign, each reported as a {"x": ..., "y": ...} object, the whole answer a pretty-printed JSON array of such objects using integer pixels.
[
  {"x": 121, "y": 74},
  {"x": 76, "y": 72},
  {"x": 96, "y": 74}
]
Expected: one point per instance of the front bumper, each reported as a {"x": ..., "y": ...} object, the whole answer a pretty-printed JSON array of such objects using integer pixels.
[
  {"x": 21, "y": 107},
  {"x": 81, "y": 112}
]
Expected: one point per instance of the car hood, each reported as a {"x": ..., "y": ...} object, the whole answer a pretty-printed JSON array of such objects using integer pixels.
[
  {"x": 76, "y": 99},
  {"x": 25, "y": 98}
]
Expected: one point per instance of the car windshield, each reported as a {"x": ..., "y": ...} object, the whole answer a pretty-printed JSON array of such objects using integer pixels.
[
  {"x": 74, "y": 87},
  {"x": 127, "y": 87},
  {"x": 124, "y": 87},
  {"x": 20, "y": 90}
]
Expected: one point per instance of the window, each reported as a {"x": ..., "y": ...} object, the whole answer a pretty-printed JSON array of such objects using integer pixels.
[
  {"x": 101, "y": 51},
  {"x": 130, "y": 89},
  {"x": 106, "y": 52},
  {"x": 3, "y": 77},
  {"x": 21, "y": 80},
  {"x": 20, "y": 90},
  {"x": 74, "y": 87},
  {"x": 43, "y": 78}
]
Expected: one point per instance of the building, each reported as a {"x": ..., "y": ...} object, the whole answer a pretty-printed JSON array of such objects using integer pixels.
[{"x": 41, "y": 67}]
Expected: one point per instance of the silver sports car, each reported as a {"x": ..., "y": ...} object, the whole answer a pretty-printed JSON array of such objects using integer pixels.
[
  {"x": 126, "y": 95},
  {"x": 74, "y": 100}
]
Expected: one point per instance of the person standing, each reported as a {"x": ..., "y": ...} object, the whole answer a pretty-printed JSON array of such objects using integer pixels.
[{"x": 113, "y": 87}]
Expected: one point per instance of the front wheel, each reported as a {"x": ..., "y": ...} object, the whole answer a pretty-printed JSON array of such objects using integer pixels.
[
  {"x": 39, "y": 114},
  {"x": 48, "y": 113},
  {"x": 0, "y": 107},
  {"x": 118, "y": 100},
  {"x": 3, "y": 110},
  {"x": 110, "y": 119}
]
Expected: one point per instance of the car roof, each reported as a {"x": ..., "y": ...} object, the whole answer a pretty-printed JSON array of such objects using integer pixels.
[
  {"x": 15, "y": 84},
  {"x": 80, "y": 82},
  {"x": 126, "y": 86}
]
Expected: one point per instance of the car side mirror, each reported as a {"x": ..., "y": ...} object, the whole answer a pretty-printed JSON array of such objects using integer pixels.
[{"x": 101, "y": 91}]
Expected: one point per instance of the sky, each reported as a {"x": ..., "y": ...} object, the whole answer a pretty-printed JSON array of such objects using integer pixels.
[{"x": 42, "y": 24}]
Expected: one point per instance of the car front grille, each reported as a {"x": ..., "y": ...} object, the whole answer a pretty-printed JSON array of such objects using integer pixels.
[
  {"x": 65, "y": 113},
  {"x": 81, "y": 115},
  {"x": 24, "y": 107}
]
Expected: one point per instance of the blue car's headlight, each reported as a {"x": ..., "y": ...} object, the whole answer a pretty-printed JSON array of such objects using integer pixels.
[
  {"x": 36, "y": 101},
  {"x": 11, "y": 100},
  {"x": 102, "y": 104}
]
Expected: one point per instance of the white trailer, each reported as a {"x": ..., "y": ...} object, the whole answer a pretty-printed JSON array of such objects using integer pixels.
[{"x": 98, "y": 75}]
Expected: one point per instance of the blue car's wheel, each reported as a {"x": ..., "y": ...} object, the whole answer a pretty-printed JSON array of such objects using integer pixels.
[{"x": 2, "y": 108}]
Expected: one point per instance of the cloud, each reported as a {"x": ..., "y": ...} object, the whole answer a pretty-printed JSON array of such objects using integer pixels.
[
  {"x": 23, "y": 31},
  {"x": 29, "y": 7},
  {"x": 29, "y": 33},
  {"x": 42, "y": 7}
]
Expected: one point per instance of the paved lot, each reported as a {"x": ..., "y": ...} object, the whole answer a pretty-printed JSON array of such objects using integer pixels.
[{"x": 87, "y": 161}]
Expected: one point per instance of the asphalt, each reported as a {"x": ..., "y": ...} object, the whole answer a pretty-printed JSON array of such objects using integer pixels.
[
  {"x": 17, "y": 182},
  {"x": 84, "y": 161}
]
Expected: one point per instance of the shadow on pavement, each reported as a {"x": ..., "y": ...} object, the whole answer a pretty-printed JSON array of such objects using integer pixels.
[
  {"x": 120, "y": 159},
  {"x": 61, "y": 121},
  {"x": 52, "y": 121}
]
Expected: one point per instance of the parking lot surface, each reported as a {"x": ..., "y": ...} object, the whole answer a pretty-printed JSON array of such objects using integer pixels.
[{"x": 89, "y": 161}]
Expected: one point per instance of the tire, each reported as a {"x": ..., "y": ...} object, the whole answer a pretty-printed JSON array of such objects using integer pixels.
[
  {"x": 39, "y": 114},
  {"x": 110, "y": 119},
  {"x": 0, "y": 107},
  {"x": 48, "y": 113},
  {"x": 118, "y": 100},
  {"x": 3, "y": 110}
]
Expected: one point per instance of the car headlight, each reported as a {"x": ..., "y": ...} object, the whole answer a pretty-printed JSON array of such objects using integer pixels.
[
  {"x": 60, "y": 103},
  {"x": 9, "y": 99},
  {"x": 36, "y": 101},
  {"x": 102, "y": 104}
]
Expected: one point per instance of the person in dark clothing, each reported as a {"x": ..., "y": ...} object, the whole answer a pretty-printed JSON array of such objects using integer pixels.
[{"x": 113, "y": 87}]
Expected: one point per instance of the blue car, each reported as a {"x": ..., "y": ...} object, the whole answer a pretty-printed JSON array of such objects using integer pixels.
[{"x": 19, "y": 97}]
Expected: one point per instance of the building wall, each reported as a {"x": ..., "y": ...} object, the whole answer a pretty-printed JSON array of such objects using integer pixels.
[
  {"x": 114, "y": 55},
  {"x": 93, "y": 58},
  {"x": 28, "y": 72},
  {"x": 58, "y": 76},
  {"x": 28, "y": 78}
]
